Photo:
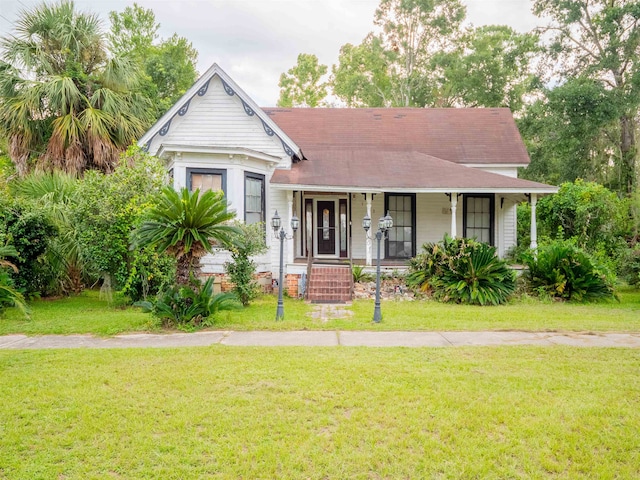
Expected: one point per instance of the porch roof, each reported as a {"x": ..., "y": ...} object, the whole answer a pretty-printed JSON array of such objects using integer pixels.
[{"x": 337, "y": 169}]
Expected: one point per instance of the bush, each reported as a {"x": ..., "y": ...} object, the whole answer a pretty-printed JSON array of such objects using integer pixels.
[
  {"x": 462, "y": 271},
  {"x": 186, "y": 306},
  {"x": 241, "y": 268},
  {"x": 30, "y": 231},
  {"x": 563, "y": 270},
  {"x": 359, "y": 274},
  {"x": 587, "y": 212},
  {"x": 107, "y": 208},
  {"x": 9, "y": 296}
]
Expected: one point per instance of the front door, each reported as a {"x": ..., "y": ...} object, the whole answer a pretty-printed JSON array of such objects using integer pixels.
[{"x": 326, "y": 227}]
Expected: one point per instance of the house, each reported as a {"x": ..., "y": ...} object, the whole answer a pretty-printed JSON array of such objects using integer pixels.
[{"x": 435, "y": 171}]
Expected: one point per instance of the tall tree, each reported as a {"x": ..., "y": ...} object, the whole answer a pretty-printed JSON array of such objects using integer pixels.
[
  {"x": 569, "y": 133},
  {"x": 168, "y": 65},
  {"x": 63, "y": 99},
  {"x": 362, "y": 76},
  {"x": 490, "y": 68},
  {"x": 600, "y": 39},
  {"x": 412, "y": 31},
  {"x": 302, "y": 85}
]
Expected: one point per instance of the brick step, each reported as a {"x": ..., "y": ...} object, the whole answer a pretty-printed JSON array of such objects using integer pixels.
[{"x": 329, "y": 284}]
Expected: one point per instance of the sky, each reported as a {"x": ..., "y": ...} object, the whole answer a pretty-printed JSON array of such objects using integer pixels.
[{"x": 255, "y": 41}]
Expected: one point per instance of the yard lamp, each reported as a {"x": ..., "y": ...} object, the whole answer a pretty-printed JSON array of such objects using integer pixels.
[
  {"x": 279, "y": 233},
  {"x": 384, "y": 225}
]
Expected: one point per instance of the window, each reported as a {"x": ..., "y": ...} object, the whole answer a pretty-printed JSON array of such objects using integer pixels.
[
  {"x": 207, "y": 179},
  {"x": 478, "y": 217},
  {"x": 401, "y": 242},
  {"x": 253, "y": 198}
]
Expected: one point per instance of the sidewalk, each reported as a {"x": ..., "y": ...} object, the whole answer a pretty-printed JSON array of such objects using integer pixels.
[{"x": 323, "y": 339}]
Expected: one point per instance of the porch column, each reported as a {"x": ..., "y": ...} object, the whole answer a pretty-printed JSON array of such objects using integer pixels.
[
  {"x": 454, "y": 208},
  {"x": 534, "y": 225},
  {"x": 369, "y": 256},
  {"x": 291, "y": 243}
]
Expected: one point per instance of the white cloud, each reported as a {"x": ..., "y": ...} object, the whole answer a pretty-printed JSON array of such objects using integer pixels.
[{"x": 256, "y": 40}]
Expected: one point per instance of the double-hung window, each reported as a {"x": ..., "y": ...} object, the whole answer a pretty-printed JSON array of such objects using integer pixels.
[
  {"x": 401, "y": 241},
  {"x": 478, "y": 217},
  {"x": 253, "y": 198}
]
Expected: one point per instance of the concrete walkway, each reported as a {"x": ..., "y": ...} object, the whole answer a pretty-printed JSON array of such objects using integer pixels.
[{"x": 323, "y": 339}]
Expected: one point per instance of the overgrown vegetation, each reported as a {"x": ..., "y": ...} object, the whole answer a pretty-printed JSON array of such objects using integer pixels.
[
  {"x": 242, "y": 268},
  {"x": 189, "y": 306},
  {"x": 563, "y": 270},
  {"x": 463, "y": 271},
  {"x": 186, "y": 224}
]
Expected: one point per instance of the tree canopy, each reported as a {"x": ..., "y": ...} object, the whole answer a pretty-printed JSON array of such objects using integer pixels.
[
  {"x": 302, "y": 85},
  {"x": 168, "y": 66},
  {"x": 65, "y": 102}
]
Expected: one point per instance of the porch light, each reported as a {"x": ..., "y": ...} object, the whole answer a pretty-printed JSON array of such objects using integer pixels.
[
  {"x": 366, "y": 223},
  {"x": 280, "y": 234},
  {"x": 384, "y": 225},
  {"x": 388, "y": 222},
  {"x": 275, "y": 222}
]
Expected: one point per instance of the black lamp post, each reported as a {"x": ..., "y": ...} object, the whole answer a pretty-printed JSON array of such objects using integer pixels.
[
  {"x": 384, "y": 224},
  {"x": 279, "y": 233}
]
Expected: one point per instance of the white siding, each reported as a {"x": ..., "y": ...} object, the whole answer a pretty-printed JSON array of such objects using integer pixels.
[
  {"x": 510, "y": 231},
  {"x": 433, "y": 218},
  {"x": 506, "y": 171}
]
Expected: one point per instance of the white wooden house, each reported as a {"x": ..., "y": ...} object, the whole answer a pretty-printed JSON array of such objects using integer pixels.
[{"x": 436, "y": 171}]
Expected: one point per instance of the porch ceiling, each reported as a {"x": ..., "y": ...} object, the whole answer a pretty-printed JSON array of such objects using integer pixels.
[{"x": 371, "y": 170}]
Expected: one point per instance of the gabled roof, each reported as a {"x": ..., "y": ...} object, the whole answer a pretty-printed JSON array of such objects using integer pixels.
[
  {"x": 473, "y": 136},
  {"x": 181, "y": 108},
  {"x": 365, "y": 169}
]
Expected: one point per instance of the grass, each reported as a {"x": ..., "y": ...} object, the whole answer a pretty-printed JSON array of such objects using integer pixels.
[
  {"x": 88, "y": 314},
  {"x": 232, "y": 412},
  {"x": 84, "y": 313}
]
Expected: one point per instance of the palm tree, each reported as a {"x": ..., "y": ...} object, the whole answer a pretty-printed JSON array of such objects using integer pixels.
[
  {"x": 9, "y": 296},
  {"x": 55, "y": 193},
  {"x": 63, "y": 100},
  {"x": 184, "y": 224}
]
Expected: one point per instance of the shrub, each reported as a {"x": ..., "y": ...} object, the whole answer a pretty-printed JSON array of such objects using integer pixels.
[
  {"x": 9, "y": 296},
  {"x": 187, "y": 306},
  {"x": 106, "y": 209},
  {"x": 463, "y": 271},
  {"x": 563, "y": 270},
  {"x": 30, "y": 231},
  {"x": 241, "y": 268},
  {"x": 359, "y": 274}
]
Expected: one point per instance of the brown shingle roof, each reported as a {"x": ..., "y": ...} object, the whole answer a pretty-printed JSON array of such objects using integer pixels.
[
  {"x": 392, "y": 170},
  {"x": 460, "y": 135}
]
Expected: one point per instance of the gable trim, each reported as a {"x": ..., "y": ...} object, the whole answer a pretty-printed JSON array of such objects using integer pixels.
[{"x": 181, "y": 107}]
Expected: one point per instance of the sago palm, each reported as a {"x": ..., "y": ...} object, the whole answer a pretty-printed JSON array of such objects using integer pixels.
[
  {"x": 184, "y": 224},
  {"x": 63, "y": 100}
]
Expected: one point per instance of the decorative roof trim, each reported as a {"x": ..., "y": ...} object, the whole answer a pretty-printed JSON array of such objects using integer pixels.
[{"x": 200, "y": 88}]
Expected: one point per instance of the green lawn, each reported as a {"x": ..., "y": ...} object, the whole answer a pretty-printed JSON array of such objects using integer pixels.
[
  {"x": 232, "y": 412},
  {"x": 88, "y": 314}
]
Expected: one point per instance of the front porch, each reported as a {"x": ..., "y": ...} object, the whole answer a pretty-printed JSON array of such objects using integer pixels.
[{"x": 331, "y": 230}]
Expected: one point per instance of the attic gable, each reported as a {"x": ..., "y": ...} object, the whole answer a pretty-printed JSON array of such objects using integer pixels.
[{"x": 197, "y": 97}]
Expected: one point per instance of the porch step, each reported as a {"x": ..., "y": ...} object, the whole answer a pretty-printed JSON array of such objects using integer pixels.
[{"x": 330, "y": 284}]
